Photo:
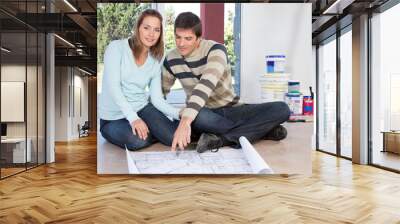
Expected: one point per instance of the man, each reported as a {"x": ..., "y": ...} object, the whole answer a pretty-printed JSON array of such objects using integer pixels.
[{"x": 212, "y": 108}]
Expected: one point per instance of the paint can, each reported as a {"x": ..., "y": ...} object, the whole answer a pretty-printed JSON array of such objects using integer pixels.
[
  {"x": 308, "y": 105},
  {"x": 294, "y": 86},
  {"x": 295, "y": 103}
]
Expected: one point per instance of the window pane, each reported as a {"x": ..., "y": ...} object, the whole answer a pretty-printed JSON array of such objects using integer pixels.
[
  {"x": 31, "y": 97},
  {"x": 346, "y": 94},
  {"x": 386, "y": 89},
  {"x": 41, "y": 99},
  {"x": 327, "y": 97},
  {"x": 22, "y": 76},
  {"x": 13, "y": 85}
]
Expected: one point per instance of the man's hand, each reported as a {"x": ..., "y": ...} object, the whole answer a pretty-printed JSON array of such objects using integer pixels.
[
  {"x": 182, "y": 134},
  {"x": 180, "y": 112},
  {"x": 139, "y": 127}
]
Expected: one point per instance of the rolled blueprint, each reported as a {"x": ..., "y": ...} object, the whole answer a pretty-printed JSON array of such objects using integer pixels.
[
  {"x": 257, "y": 164},
  {"x": 131, "y": 164}
]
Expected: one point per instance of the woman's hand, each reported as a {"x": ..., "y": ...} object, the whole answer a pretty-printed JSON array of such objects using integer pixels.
[{"x": 139, "y": 127}]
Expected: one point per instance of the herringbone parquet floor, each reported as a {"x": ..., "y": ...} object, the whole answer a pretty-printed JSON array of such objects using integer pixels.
[{"x": 70, "y": 191}]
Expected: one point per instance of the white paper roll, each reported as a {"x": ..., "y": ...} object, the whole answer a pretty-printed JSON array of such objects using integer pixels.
[
  {"x": 257, "y": 163},
  {"x": 132, "y": 169}
]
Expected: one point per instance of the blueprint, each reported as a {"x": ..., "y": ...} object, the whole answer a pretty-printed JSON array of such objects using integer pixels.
[{"x": 225, "y": 161}]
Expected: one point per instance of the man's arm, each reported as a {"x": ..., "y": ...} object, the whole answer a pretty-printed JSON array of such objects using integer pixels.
[
  {"x": 216, "y": 65},
  {"x": 213, "y": 72},
  {"x": 167, "y": 77},
  {"x": 183, "y": 132}
]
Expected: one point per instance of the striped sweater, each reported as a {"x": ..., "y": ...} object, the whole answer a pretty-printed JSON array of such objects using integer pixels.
[{"x": 205, "y": 76}]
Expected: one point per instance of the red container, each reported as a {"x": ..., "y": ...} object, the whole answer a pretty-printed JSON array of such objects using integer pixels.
[{"x": 308, "y": 105}]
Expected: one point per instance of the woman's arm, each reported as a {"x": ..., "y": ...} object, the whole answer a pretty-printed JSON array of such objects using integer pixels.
[
  {"x": 112, "y": 78},
  {"x": 157, "y": 98}
]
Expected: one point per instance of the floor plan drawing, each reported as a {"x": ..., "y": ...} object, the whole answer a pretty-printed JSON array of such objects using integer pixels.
[{"x": 225, "y": 161}]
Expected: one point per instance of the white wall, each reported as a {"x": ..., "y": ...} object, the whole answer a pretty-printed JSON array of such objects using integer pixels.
[
  {"x": 71, "y": 87},
  {"x": 12, "y": 101},
  {"x": 275, "y": 29},
  {"x": 61, "y": 103},
  {"x": 80, "y": 94},
  {"x": 33, "y": 125},
  {"x": 17, "y": 73},
  {"x": 14, "y": 73}
]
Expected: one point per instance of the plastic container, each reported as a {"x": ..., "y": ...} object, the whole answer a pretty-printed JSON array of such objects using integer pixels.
[{"x": 275, "y": 63}]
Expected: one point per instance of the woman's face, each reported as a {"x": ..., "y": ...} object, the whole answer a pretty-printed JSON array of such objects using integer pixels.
[{"x": 149, "y": 31}]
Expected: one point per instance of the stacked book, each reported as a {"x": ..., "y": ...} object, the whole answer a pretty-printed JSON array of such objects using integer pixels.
[{"x": 274, "y": 86}]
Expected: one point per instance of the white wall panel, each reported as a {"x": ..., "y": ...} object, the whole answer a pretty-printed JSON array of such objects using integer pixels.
[{"x": 279, "y": 28}]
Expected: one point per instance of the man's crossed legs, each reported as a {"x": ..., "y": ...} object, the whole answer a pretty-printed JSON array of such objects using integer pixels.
[{"x": 224, "y": 126}]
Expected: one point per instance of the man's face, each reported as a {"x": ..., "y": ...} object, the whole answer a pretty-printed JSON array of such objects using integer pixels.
[{"x": 186, "y": 41}]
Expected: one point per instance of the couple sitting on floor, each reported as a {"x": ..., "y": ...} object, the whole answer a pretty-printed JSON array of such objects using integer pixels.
[{"x": 135, "y": 118}]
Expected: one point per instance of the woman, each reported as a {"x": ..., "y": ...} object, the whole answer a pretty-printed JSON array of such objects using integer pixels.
[{"x": 128, "y": 117}]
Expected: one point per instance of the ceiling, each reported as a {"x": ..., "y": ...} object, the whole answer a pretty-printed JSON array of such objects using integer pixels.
[
  {"x": 332, "y": 15},
  {"x": 74, "y": 22}
]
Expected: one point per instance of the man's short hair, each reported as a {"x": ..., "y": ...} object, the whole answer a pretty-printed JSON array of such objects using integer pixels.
[{"x": 189, "y": 20}]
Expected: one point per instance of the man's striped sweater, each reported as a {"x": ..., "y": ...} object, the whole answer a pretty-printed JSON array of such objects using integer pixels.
[{"x": 205, "y": 76}]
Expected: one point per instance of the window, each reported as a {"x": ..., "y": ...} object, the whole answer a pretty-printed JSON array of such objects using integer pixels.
[
  {"x": 346, "y": 93},
  {"x": 327, "y": 97},
  {"x": 22, "y": 64},
  {"x": 385, "y": 88},
  {"x": 177, "y": 95},
  {"x": 231, "y": 29}
]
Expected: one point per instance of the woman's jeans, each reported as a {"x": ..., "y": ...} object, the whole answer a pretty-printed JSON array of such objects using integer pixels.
[{"x": 119, "y": 132}]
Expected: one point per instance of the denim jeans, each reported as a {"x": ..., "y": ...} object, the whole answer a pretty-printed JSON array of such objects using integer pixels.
[
  {"x": 252, "y": 121},
  {"x": 119, "y": 132}
]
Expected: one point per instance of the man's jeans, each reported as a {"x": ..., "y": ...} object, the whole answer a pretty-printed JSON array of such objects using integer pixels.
[
  {"x": 119, "y": 132},
  {"x": 252, "y": 121}
]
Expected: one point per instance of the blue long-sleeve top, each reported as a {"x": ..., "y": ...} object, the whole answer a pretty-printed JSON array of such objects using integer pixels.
[{"x": 124, "y": 86}]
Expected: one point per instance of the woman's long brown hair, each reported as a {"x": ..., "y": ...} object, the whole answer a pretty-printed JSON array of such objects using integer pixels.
[{"x": 156, "y": 51}]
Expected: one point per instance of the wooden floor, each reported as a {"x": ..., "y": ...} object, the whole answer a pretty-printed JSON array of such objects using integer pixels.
[
  {"x": 10, "y": 171},
  {"x": 70, "y": 191}
]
